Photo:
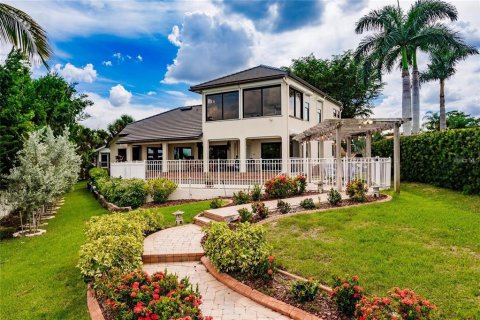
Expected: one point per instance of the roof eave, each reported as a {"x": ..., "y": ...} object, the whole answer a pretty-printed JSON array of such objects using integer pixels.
[{"x": 200, "y": 88}]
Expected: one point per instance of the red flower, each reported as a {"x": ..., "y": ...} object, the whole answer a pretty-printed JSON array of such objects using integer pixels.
[
  {"x": 355, "y": 278},
  {"x": 271, "y": 258},
  {"x": 133, "y": 294},
  {"x": 270, "y": 272},
  {"x": 346, "y": 285},
  {"x": 138, "y": 307},
  {"x": 155, "y": 296},
  {"x": 135, "y": 284},
  {"x": 155, "y": 317}
]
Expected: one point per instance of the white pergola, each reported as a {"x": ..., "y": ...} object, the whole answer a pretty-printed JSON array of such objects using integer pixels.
[{"x": 346, "y": 129}]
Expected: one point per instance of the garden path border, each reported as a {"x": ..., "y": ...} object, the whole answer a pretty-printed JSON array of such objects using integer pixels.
[{"x": 93, "y": 306}]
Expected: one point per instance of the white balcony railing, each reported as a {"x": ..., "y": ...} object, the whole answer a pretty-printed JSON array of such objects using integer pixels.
[{"x": 224, "y": 173}]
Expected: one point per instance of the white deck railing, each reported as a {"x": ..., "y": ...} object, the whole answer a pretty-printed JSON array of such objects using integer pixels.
[{"x": 226, "y": 173}]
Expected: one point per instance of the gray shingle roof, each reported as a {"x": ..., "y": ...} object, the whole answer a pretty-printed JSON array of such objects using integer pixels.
[
  {"x": 176, "y": 124},
  {"x": 260, "y": 72}
]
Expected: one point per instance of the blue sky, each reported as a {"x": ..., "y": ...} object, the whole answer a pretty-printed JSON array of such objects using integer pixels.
[{"x": 140, "y": 57}]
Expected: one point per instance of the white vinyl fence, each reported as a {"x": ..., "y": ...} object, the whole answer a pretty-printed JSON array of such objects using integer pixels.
[{"x": 244, "y": 173}]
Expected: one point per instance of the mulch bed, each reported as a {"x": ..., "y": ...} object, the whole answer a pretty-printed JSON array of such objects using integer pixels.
[{"x": 323, "y": 306}]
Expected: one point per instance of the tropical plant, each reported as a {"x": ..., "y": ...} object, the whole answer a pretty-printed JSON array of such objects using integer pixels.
[
  {"x": 241, "y": 197},
  {"x": 356, "y": 190},
  {"x": 245, "y": 215},
  {"x": 160, "y": 189},
  {"x": 118, "y": 125},
  {"x": 346, "y": 293},
  {"x": 20, "y": 30},
  {"x": 216, "y": 203},
  {"x": 441, "y": 68},
  {"x": 307, "y": 203},
  {"x": 256, "y": 192},
  {"x": 398, "y": 37},
  {"x": 342, "y": 77},
  {"x": 283, "y": 207},
  {"x": 304, "y": 291},
  {"x": 260, "y": 209},
  {"x": 334, "y": 197}
]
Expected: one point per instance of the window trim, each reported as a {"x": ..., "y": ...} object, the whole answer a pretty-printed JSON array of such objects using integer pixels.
[
  {"x": 261, "y": 100},
  {"x": 319, "y": 111},
  {"x": 222, "y": 94},
  {"x": 294, "y": 103},
  {"x": 307, "y": 109}
]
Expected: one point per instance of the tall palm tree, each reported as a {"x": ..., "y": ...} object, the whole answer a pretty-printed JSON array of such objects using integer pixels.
[
  {"x": 19, "y": 29},
  {"x": 116, "y": 126},
  {"x": 396, "y": 35},
  {"x": 441, "y": 68},
  {"x": 422, "y": 14}
]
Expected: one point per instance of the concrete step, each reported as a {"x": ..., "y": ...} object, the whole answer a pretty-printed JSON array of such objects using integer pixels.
[
  {"x": 202, "y": 221},
  {"x": 220, "y": 217}
]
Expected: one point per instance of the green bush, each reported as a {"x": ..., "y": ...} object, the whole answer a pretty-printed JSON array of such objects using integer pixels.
[
  {"x": 346, "y": 293},
  {"x": 245, "y": 215},
  {"x": 216, "y": 203},
  {"x": 96, "y": 173},
  {"x": 241, "y": 197},
  {"x": 238, "y": 251},
  {"x": 304, "y": 291},
  {"x": 357, "y": 190},
  {"x": 160, "y": 189},
  {"x": 307, "y": 203},
  {"x": 448, "y": 159},
  {"x": 299, "y": 185},
  {"x": 151, "y": 220},
  {"x": 115, "y": 224},
  {"x": 6, "y": 232},
  {"x": 123, "y": 192},
  {"x": 256, "y": 193},
  {"x": 283, "y": 207},
  {"x": 108, "y": 253},
  {"x": 280, "y": 187},
  {"x": 334, "y": 197}
]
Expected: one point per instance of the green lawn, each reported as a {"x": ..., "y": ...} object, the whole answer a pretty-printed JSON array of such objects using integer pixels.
[
  {"x": 38, "y": 277},
  {"x": 190, "y": 210},
  {"x": 426, "y": 239}
]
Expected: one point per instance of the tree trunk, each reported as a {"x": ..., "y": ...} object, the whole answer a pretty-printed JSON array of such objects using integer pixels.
[
  {"x": 415, "y": 100},
  {"x": 443, "y": 116},
  {"x": 406, "y": 101}
]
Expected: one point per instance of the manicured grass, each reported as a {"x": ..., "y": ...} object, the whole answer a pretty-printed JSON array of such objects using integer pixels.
[
  {"x": 38, "y": 277},
  {"x": 190, "y": 210},
  {"x": 426, "y": 239}
]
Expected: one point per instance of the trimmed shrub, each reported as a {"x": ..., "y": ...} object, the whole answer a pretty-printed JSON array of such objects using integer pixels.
[
  {"x": 136, "y": 295},
  {"x": 151, "y": 220},
  {"x": 131, "y": 193},
  {"x": 448, "y": 159},
  {"x": 238, "y": 251},
  {"x": 299, "y": 185},
  {"x": 260, "y": 209},
  {"x": 334, "y": 197},
  {"x": 279, "y": 187},
  {"x": 114, "y": 225},
  {"x": 108, "y": 253},
  {"x": 283, "y": 207},
  {"x": 304, "y": 291},
  {"x": 216, "y": 203},
  {"x": 357, "y": 190},
  {"x": 96, "y": 173},
  {"x": 160, "y": 189},
  {"x": 307, "y": 203},
  {"x": 241, "y": 197},
  {"x": 346, "y": 294},
  {"x": 256, "y": 193},
  {"x": 245, "y": 215}
]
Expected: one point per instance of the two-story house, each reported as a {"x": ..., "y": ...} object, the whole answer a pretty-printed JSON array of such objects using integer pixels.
[{"x": 252, "y": 114}]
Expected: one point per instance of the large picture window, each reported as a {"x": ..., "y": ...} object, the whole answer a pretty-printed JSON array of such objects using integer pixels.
[
  {"x": 260, "y": 102},
  {"x": 181, "y": 153},
  {"x": 154, "y": 153},
  {"x": 296, "y": 103},
  {"x": 222, "y": 106}
]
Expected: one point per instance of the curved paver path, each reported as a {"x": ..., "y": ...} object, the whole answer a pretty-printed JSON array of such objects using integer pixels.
[{"x": 219, "y": 301}]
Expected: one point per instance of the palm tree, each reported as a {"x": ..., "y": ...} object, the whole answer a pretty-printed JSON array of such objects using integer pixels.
[
  {"x": 396, "y": 39},
  {"x": 116, "y": 126},
  {"x": 441, "y": 68},
  {"x": 431, "y": 121},
  {"x": 420, "y": 17},
  {"x": 20, "y": 30}
]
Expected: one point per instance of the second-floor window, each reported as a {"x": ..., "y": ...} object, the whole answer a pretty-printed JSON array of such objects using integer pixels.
[
  {"x": 295, "y": 102},
  {"x": 222, "y": 106},
  {"x": 319, "y": 111},
  {"x": 306, "y": 111},
  {"x": 261, "y": 102}
]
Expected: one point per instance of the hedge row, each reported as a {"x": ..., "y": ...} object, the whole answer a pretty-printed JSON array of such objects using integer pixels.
[{"x": 449, "y": 159}]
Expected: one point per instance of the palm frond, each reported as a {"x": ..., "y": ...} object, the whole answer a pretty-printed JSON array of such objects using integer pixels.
[
  {"x": 424, "y": 12},
  {"x": 20, "y": 30},
  {"x": 379, "y": 20}
]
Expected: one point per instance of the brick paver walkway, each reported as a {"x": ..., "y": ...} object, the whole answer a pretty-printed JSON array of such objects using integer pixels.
[
  {"x": 219, "y": 301},
  {"x": 182, "y": 239}
]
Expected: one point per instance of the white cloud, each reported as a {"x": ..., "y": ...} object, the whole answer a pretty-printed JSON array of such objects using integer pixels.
[
  {"x": 140, "y": 58},
  {"x": 176, "y": 93},
  {"x": 223, "y": 47},
  {"x": 103, "y": 112},
  {"x": 74, "y": 74},
  {"x": 118, "y": 56},
  {"x": 151, "y": 93},
  {"x": 107, "y": 63},
  {"x": 174, "y": 36},
  {"x": 192, "y": 102},
  {"x": 119, "y": 96}
]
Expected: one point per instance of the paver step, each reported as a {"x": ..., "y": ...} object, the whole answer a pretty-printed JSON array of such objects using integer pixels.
[
  {"x": 217, "y": 217},
  {"x": 171, "y": 257},
  {"x": 201, "y": 220}
]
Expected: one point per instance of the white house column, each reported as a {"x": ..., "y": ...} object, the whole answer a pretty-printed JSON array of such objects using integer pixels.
[
  {"x": 396, "y": 158},
  {"x": 321, "y": 148},
  {"x": 338, "y": 157},
  {"x": 285, "y": 153},
  {"x": 368, "y": 145},
  {"x": 164, "y": 157},
  {"x": 243, "y": 154},
  {"x": 206, "y": 154}
]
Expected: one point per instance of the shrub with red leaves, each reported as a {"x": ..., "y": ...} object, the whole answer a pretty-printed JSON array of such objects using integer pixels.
[{"x": 347, "y": 293}]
